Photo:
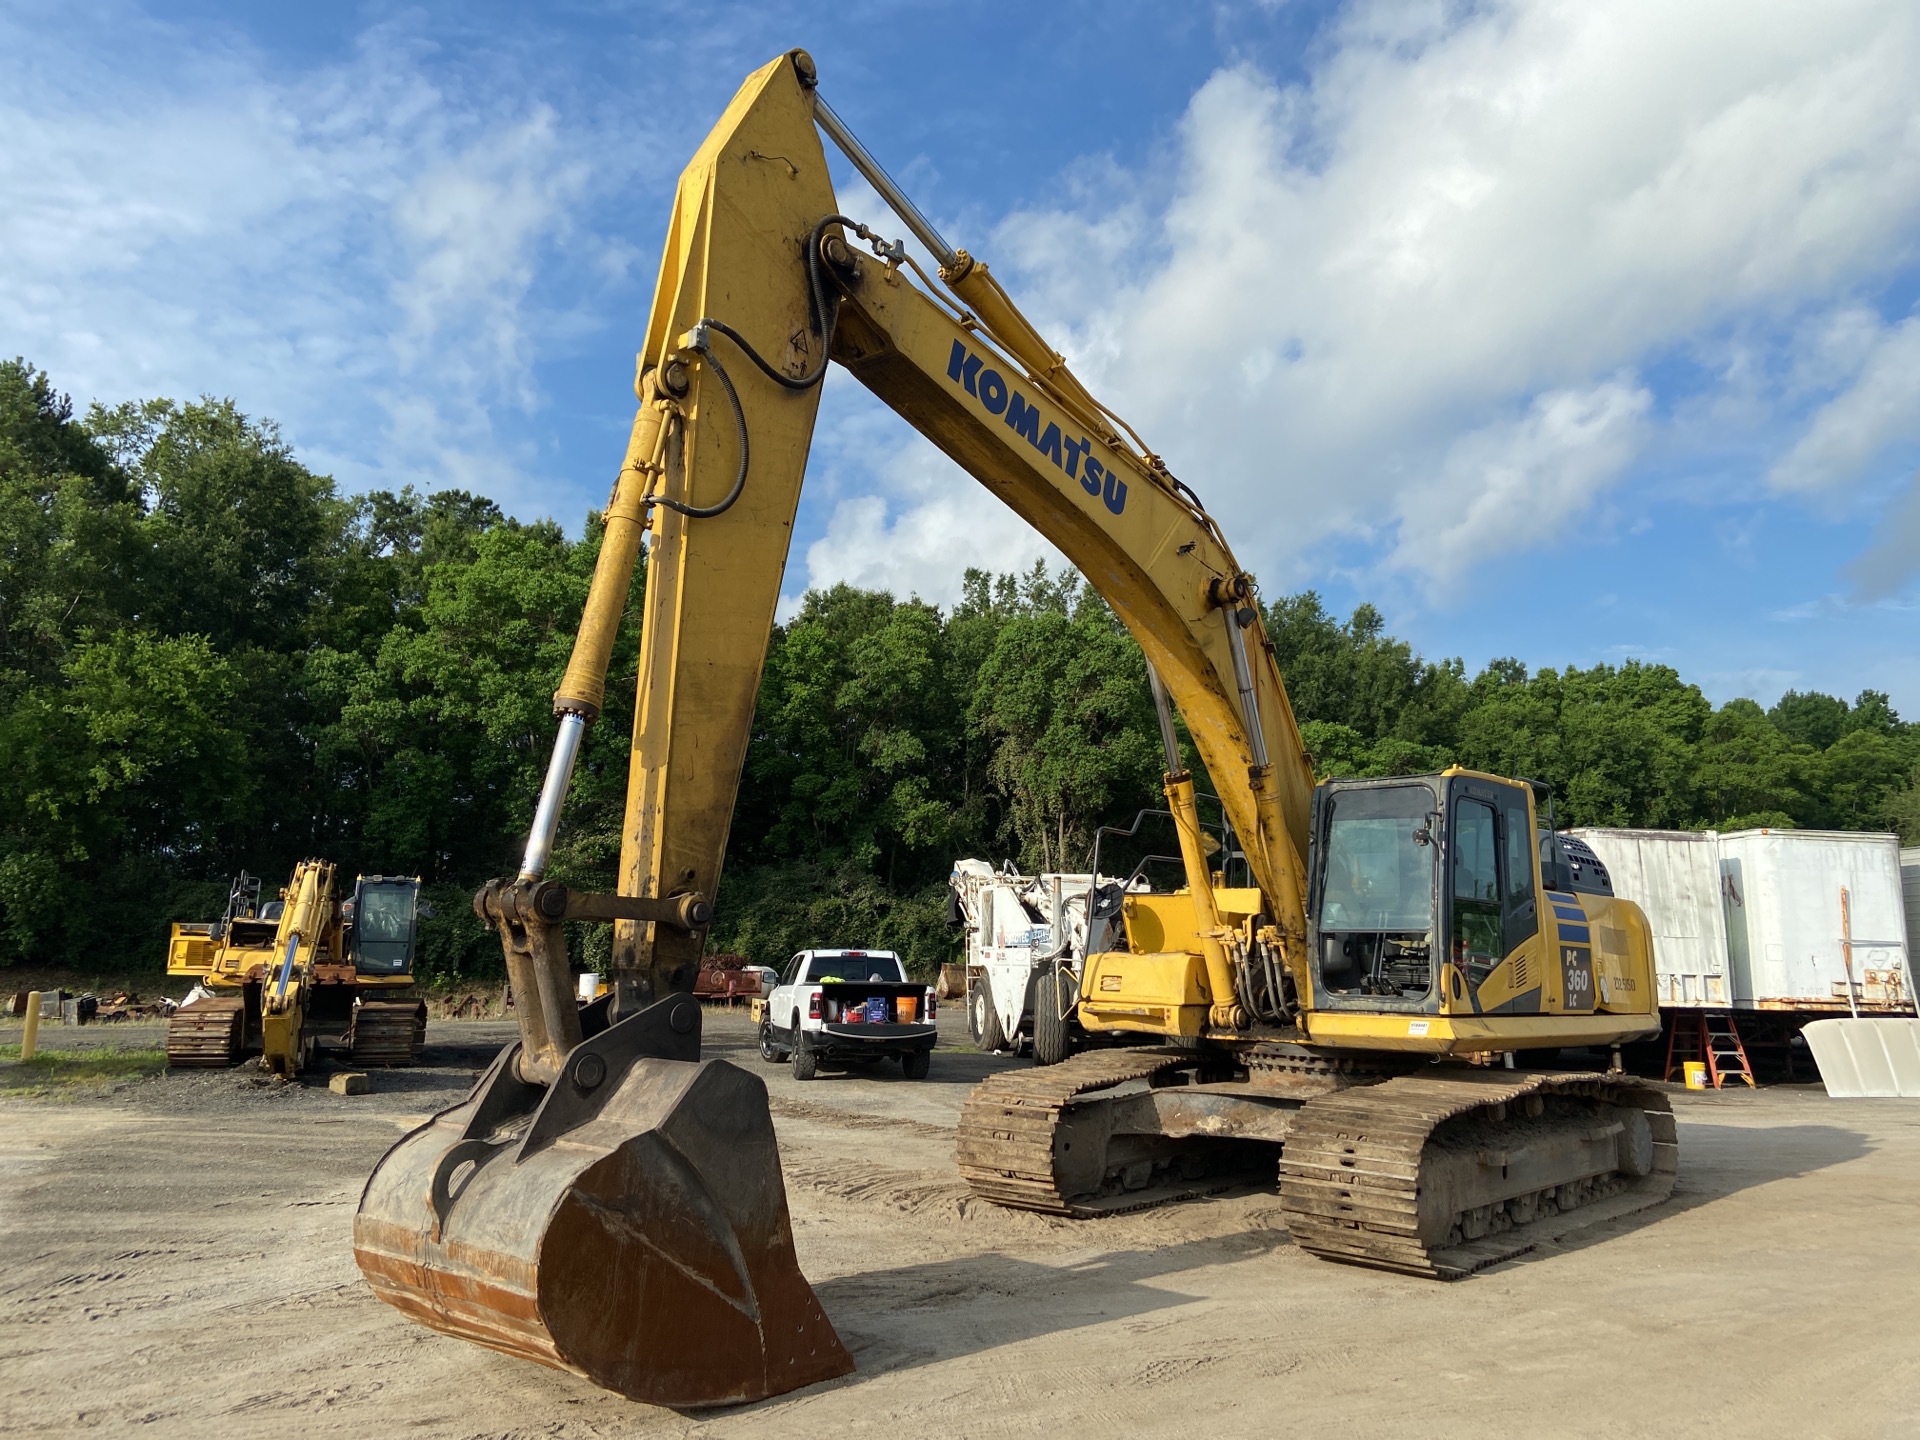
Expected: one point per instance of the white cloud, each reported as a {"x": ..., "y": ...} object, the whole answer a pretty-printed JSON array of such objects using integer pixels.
[
  {"x": 1328, "y": 307},
  {"x": 1533, "y": 476},
  {"x": 352, "y": 250},
  {"x": 927, "y": 524},
  {"x": 1890, "y": 560},
  {"x": 1879, "y": 410}
]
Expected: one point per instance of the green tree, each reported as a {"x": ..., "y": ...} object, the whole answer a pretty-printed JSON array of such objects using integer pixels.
[{"x": 1064, "y": 700}]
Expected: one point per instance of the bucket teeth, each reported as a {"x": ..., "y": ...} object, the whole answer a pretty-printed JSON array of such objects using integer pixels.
[{"x": 647, "y": 1247}]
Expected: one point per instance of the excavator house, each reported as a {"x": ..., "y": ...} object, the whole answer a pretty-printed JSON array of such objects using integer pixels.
[{"x": 1346, "y": 1020}]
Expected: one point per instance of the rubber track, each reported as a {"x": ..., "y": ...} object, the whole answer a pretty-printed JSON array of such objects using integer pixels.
[
  {"x": 205, "y": 1035},
  {"x": 1004, "y": 1145},
  {"x": 388, "y": 1032},
  {"x": 1350, "y": 1173}
]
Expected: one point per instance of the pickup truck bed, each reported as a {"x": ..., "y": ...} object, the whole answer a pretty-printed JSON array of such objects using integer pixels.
[{"x": 828, "y": 1022}]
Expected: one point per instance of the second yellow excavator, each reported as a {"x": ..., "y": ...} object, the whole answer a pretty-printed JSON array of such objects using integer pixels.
[
  {"x": 282, "y": 977},
  {"x": 608, "y": 1202}
]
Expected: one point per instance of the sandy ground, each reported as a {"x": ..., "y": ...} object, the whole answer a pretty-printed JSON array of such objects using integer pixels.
[{"x": 177, "y": 1258}]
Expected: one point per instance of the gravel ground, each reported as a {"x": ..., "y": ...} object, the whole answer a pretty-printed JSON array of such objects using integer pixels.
[{"x": 178, "y": 1259}]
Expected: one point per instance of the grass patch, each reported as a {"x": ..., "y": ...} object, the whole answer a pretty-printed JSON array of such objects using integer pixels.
[{"x": 71, "y": 1072}]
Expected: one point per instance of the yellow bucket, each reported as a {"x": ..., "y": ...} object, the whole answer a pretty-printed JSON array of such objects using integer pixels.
[{"x": 1696, "y": 1071}]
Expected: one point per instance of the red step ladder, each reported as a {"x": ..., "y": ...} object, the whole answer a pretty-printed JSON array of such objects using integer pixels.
[{"x": 1713, "y": 1038}]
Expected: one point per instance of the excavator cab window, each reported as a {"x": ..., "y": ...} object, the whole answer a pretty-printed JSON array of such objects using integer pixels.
[
  {"x": 1374, "y": 906},
  {"x": 383, "y": 926},
  {"x": 1476, "y": 938}
]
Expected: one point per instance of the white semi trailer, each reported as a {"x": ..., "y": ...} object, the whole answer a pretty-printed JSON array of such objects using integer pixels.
[{"x": 1793, "y": 922}]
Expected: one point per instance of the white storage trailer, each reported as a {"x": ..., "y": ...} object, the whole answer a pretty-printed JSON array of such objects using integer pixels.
[
  {"x": 1674, "y": 876},
  {"x": 1812, "y": 915},
  {"x": 1752, "y": 920}
]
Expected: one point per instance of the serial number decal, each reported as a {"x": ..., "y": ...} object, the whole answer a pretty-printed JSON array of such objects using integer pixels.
[
  {"x": 1074, "y": 458},
  {"x": 1416, "y": 1027}
]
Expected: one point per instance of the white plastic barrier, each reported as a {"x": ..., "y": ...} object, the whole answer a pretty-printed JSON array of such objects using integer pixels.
[{"x": 1867, "y": 1059}]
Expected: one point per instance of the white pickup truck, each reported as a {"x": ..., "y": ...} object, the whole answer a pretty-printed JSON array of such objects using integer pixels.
[{"x": 848, "y": 1007}]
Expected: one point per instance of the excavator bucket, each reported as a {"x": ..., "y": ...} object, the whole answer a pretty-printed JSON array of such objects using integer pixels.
[{"x": 627, "y": 1223}]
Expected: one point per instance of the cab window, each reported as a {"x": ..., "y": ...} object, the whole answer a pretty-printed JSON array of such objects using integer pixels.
[
  {"x": 1523, "y": 917},
  {"x": 383, "y": 929},
  {"x": 1477, "y": 888}
]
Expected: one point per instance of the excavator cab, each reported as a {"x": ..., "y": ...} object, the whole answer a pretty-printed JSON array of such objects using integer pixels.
[
  {"x": 1438, "y": 894},
  {"x": 1422, "y": 888},
  {"x": 1377, "y": 892},
  {"x": 383, "y": 919}
]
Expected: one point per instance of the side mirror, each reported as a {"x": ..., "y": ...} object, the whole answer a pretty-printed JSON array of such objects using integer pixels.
[{"x": 426, "y": 910}]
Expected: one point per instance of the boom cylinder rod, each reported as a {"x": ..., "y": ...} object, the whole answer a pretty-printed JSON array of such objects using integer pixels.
[
  {"x": 553, "y": 793},
  {"x": 1243, "y": 678},
  {"x": 286, "y": 967},
  {"x": 877, "y": 177},
  {"x": 1164, "y": 710}
]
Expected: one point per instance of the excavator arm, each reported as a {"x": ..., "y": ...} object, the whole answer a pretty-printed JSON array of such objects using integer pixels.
[{"x": 763, "y": 282}]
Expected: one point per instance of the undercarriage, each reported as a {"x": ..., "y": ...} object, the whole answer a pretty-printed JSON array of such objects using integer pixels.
[{"x": 1437, "y": 1170}]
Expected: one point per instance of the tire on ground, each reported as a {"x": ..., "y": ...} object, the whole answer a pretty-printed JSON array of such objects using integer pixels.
[
  {"x": 1053, "y": 1000},
  {"x": 805, "y": 1063},
  {"x": 916, "y": 1063},
  {"x": 770, "y": 1052},
  {"x": 983, "y": 1021}
]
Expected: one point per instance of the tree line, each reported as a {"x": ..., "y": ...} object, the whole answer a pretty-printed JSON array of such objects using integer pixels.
[{"x": 211, "y": 659}]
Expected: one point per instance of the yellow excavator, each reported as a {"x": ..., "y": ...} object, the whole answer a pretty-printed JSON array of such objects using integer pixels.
[
  {"x": 608, "y": 1202},
  {"x": 282, "y": 976}
]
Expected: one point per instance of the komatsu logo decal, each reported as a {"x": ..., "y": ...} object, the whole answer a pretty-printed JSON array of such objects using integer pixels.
[{"x": 1074, "y": 457}]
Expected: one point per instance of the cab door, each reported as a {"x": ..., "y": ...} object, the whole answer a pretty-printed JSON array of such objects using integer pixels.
[{"x": 1493, "y": 919}]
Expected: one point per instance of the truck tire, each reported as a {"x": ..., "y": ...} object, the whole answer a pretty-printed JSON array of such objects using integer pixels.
[
  {"x": 983, "y": 1021},
  {"x": 805, "y": 1063},
  {"x": 1053, "y": 999},
  {"x": 916, "y": 1063},
  {"x": 770, "y": 1052}
]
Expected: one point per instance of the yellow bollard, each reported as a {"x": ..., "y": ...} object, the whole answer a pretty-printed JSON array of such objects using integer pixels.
[{"x": 32, "y": 1035}]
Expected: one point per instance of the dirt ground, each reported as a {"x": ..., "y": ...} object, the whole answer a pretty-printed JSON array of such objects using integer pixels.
[{"x": 176, "y": 1257}]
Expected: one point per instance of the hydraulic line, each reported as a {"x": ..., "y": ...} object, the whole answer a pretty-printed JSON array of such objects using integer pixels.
[{"x": 697, "y": 341}]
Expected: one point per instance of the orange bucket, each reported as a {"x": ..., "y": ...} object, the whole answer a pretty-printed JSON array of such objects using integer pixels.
[{"x": 906, "y": 1007}]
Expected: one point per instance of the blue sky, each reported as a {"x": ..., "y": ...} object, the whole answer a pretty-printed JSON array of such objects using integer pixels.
[{"x": 1556, "y": 330}]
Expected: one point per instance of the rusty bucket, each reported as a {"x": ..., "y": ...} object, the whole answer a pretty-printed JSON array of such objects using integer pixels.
[{"x": 627, "y": 1223}]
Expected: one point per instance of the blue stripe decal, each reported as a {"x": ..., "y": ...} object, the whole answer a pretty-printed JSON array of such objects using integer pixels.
[
  {"x": 1563, "y": 899},
  {"x": 1575, "y": 935},
  {"x": 1579, "y": 917}
]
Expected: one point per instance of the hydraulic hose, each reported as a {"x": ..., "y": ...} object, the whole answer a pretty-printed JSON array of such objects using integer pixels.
[
  {"x": 707, "y": 512},
  {"x": 824, "y": 317}
]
